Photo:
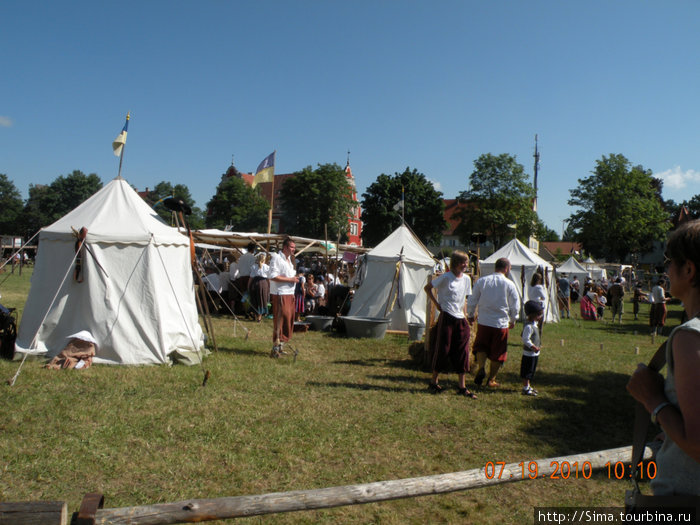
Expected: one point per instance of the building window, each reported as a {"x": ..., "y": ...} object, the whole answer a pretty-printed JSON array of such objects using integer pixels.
[{"x": 353, "y": 228}]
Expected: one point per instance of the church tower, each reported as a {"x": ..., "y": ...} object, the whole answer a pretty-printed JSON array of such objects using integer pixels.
[{"x": 355, "y": 219}]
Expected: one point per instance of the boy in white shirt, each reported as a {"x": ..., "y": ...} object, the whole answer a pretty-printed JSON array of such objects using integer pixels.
[{"x": 531, "y": 346}]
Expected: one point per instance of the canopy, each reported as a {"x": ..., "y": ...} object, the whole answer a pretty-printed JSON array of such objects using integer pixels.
[
  {"x": 396, "y": 272},
  {"x": 524, "y": 263},
  {"x": 572, "y": 267},
  {"x": 134, "y": 292}
]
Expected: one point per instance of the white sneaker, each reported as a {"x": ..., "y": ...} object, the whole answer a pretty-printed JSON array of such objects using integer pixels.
[{"x": 529, "y": 391}]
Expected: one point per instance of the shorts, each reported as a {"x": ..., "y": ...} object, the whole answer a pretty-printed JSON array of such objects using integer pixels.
[
  {"x": 451, "y": 345},
  {"x": 528, "y": 365},
  {"x": 492, "y": 341}
]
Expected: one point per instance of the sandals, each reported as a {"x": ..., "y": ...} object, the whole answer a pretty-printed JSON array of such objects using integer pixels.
[
  {"x": 465, "y": 392},
  {"x": 434, "y": 388}
]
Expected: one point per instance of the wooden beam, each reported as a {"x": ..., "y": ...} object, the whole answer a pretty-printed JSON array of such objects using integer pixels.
[
  {"x": 198, "y": 510},
  {"x": 34, "y": 513}
]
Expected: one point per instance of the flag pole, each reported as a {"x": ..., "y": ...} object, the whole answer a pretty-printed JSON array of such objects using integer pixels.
[
  {"x": 121, "y": 154},
  {"x": 272, "y": 195},
  {"x": 403, "y": 206}
]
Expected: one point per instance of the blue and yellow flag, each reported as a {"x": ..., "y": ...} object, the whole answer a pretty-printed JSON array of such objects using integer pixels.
[
  {"x": 119, "y": 142},
  {"x": 266, "y": 170}
]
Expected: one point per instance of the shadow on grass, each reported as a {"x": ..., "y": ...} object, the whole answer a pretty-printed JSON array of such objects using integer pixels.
[
  {"x": 365, "y": 387},
  {"x": 588, "y": 412},
  {"x": 406, "y": 364}
]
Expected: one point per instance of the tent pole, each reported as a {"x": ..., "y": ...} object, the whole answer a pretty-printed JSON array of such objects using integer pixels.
[{"x": 207, "y": 317}]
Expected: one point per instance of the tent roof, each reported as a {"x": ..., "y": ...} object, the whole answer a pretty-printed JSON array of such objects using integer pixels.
[
  {"x": 242, "y": 239},
  {"x": 115, "y": 214},
  {"x": 402, "y": 242},
  {"x": 571, "y": 266},
  {"x": 518, "y": 254}
]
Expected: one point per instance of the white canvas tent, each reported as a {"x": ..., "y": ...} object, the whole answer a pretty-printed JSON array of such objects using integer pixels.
[
  {"x": 397, "y": 270},
  {"x": 572, "y": 267},
  {"x": 524, "y": 262},
  {"x": 137, "y": 295},
  {"x": 594, "y": 271}
]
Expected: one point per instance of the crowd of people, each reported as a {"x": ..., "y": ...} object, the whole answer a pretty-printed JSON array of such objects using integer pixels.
[
  {"x": 671, "y": 401},
  {"x": 595, "y": 298},
  {"x": 279, "y": 285}
]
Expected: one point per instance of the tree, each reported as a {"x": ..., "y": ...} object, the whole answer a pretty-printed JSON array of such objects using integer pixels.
[
  {"x": 314, "y": 199},
  {"x": 237, "y": 204},
  {"x": 498, "y": 197},
  {"x": 47, "y": 204},
  {"x": 423, "y": 208},
  {"x": 694, "y": 206},
  {"x": 545, "y": 234},
  {"x": 163, "y": 190},
  {"x": 621, "y": 211},
  {"x": 569, "y": 234},
  {"x": 10, "y": 206}
]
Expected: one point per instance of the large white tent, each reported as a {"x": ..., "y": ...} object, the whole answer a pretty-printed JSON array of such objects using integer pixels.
[
  {"x": 524, "y": 262},
  {"x": 137, "y": 294},
  {"x": 572, "y": 267},
  {"x": 397, "y": 270}
]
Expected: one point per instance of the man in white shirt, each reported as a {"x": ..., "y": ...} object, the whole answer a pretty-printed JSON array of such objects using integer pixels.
[
  {"x": 283, "y": 279},
  {"x": 499, "y": 304},
  {"x": 244, "y": 265}
]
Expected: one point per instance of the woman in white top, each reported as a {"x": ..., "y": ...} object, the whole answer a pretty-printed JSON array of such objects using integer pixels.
[
  {"x": 537, "y": 292},
  {"x": 259, "y": 286},
  {"x": 451, "y": 344}
]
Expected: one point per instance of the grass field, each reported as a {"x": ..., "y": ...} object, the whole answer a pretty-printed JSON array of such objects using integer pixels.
[{"x": 346, "y": 412}]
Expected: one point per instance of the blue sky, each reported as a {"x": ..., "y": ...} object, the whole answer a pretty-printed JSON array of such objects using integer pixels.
[{"x": 427, "y": 84}]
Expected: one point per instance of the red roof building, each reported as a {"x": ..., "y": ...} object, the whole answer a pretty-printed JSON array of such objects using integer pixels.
[{"x": 354, "y": 219}]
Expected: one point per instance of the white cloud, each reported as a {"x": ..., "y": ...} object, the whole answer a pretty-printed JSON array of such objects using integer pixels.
[
  {"x": 677, "y": 179},
  {"x": 5, "y": 122},
  {"x": 436, "y": 185}
]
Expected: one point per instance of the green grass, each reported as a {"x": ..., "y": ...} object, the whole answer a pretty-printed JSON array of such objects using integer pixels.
[{"x": 346, "y": 412}]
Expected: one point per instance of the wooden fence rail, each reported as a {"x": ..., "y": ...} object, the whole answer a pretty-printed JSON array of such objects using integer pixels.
[{"x": 198, "y": 510}]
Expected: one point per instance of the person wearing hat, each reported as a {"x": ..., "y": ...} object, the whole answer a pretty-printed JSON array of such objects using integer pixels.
[{"x": 531, "y": 345}]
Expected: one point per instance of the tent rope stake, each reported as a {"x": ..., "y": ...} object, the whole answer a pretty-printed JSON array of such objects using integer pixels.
[{"x": 11, "y": 382}]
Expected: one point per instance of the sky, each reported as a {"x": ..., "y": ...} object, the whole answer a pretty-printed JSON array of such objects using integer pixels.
[{"x": 425, "y": 84}]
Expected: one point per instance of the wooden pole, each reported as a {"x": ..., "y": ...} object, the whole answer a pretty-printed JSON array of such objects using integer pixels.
[
  {"x": 34, "y": 513},
  {"x": 198, "y": 510},
  {"x": 207, "y": 317}
]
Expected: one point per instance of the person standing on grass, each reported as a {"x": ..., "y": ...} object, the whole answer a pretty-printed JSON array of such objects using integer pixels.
[
  {"x": 638, "y": 297},
  {"x": 616, "y": 293},
  {"x": 657, "y": 313},
  {"x": 283, "y": 280},
  {"x": 674, "y": 402},
  {"x": 531, "y": 345},
  {"x": 537, "y": 292},
  {"x": 452, "y": 342},
  {"x": 563, "y": 295},
  {"x": 499, "y": 304}
]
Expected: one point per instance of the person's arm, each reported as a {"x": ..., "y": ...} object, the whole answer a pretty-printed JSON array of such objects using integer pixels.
[
  {"x": 646, "y": 386},
  {"x": 473, "y": 302},
  {"x": 429, "y": 292},
  {"x": 513, "y": 305},
  {"x": 277, "y": 275}
]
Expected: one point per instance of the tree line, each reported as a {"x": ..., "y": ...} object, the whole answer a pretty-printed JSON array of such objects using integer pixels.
[{"x": 619, "y": 209}]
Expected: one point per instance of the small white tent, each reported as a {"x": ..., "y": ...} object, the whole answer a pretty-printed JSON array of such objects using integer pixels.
[
  {"x": 136, "y": 297},
  {"x": 397, "y": 270},
  {"x": 523, "y": 263},
  {"x": 572, "y": 267},
  {"x": 594, "y": 271}
]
